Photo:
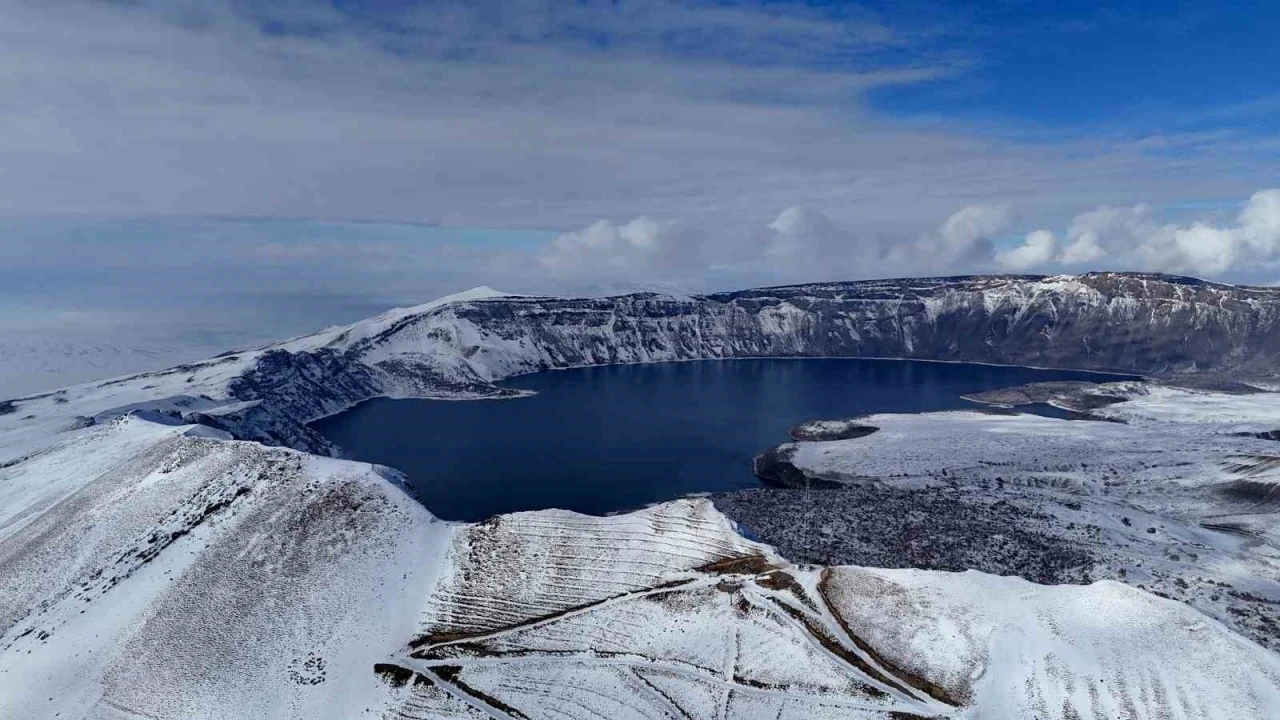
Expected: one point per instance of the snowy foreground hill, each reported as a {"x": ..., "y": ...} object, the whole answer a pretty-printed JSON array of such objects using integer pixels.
[{"x": 179, "y": 544}]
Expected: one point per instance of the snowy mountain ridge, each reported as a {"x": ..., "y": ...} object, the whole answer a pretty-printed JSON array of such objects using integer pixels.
[
  {"x": 459, "y": 345},
  {"x": 160, "y": 559}
]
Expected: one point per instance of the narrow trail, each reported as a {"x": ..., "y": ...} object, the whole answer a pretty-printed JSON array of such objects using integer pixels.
[{"x": 898, "y": 694}]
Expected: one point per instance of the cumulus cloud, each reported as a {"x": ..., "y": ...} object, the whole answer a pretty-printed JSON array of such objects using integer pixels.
[
  {"x": 802, "y": 243},
  {"x": 967, "y": 234},
  {"x": 963, "y": 242},
  {"x": 1134, "y": 237},
  {"x": 645, "y": 247},
  {"x": 802, "y": 233},
  {"x": 1082, "y": 250},
  {"x": 1260, "y": 220},
  {"x": 1252, "y": 240},
  {"x": 1106, "y": 232},
  {"x": 1037, "y": 250}
]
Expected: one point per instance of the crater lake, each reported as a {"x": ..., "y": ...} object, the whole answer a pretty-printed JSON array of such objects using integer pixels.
[{"x": 610, "y": 438}]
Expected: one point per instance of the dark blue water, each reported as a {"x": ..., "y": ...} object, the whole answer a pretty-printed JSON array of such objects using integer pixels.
[{"x": 603, "y": 439}]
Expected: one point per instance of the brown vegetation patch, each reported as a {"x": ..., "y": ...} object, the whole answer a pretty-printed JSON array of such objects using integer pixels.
[
  {"x": 748, "y": 565},
  {"x": 1252, "y": 491},
  {"x": 934, "y": 690},
  {"x": 783, "y": 581},
  {"x": 428, "y": 640},
  {"x": 395, "y": 675},
  {"x": 824, "y": 638}
]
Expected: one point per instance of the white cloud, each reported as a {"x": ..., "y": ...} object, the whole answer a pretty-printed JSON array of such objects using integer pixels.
[
  {"x": 800, "y": 230},
  {"x": 1036, "y": 251},
  {"x": 1135, "y": 238},
  {"x": 1260, "y": 220},
  {"x": 508, "y": 115},
  {"x": 966, "y": 234},
  {"x": 643, "y": 248},
  {"x": 1082, "y": 250},
  {"x": 1249, "y": 243},
  {"x": 803, "y": 244},
  {"x": 962, "y": 243},
  {"x": 800, "y": 244}
]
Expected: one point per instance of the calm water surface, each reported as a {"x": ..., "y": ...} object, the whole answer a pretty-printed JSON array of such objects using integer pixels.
[{"x": 603, "y": 439}]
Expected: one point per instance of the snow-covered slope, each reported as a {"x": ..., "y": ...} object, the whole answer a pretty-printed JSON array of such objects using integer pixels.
[
  {"x": 149, "y": 570},
  {"x": 157, "y": 562},
  {"x": 1018, "y": 650},
  {"x": 38, "y": 361},
  {"x": 161, "y": 571},
  {"x": 667, "y": 613}
]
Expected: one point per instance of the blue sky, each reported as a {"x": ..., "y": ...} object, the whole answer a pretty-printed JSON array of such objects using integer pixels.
[
  {"x": 228, "y": 168},
  {"x": 1132, "y": 69},
  {"x": 552, "y": 114}
]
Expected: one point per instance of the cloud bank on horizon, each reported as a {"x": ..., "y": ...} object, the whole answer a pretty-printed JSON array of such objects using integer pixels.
[{"x": 804, "y": 244}]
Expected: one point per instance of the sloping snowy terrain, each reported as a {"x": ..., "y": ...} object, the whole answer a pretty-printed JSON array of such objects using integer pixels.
[
  {"x": 157, "y": 560},
  {"x": 36, "y": 362},
  {"x": 167, "y": 572},
  {"x": 1180, "y": 499},
  {"x": 149, "y": 570},
  {"x": 666, "y": 613},
  {"x": 1019, "y": 650}
]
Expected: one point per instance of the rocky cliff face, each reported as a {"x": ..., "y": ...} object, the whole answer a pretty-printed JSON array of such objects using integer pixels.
[
  {"x": 1131, "y": 323},
  {"x": 1145, "y": 324}
]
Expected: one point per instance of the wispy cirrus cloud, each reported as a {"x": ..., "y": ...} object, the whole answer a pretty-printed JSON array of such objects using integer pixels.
[{"x": 531, "y": 114}]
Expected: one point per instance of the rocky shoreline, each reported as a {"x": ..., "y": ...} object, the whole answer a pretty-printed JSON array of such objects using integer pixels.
[{"x": 1157, "y": 501}]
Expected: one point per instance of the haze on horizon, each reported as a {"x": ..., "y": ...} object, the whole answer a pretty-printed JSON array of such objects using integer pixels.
[{"x": 183, "y": 177}]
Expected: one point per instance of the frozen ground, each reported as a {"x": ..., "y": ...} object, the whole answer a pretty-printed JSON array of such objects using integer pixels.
[
  {"x": 1180, "y": 503},
  {"x": 151, "y": 566},
  {"x": 34, "y": 363},
  {"x": 666, "y": 613},
  {"x": 150, "y": 570}
]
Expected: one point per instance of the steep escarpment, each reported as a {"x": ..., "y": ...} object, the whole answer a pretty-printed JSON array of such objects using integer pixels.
[
  {"x": 458, "y": 346},
  {"x": 1145, "y": 324},
  {"x": 1129, "y": 323},
  {"x": 290, "y": 389}
]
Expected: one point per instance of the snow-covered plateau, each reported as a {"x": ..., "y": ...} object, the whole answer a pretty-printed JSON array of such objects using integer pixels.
[{"x": 181, "y": 544}]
